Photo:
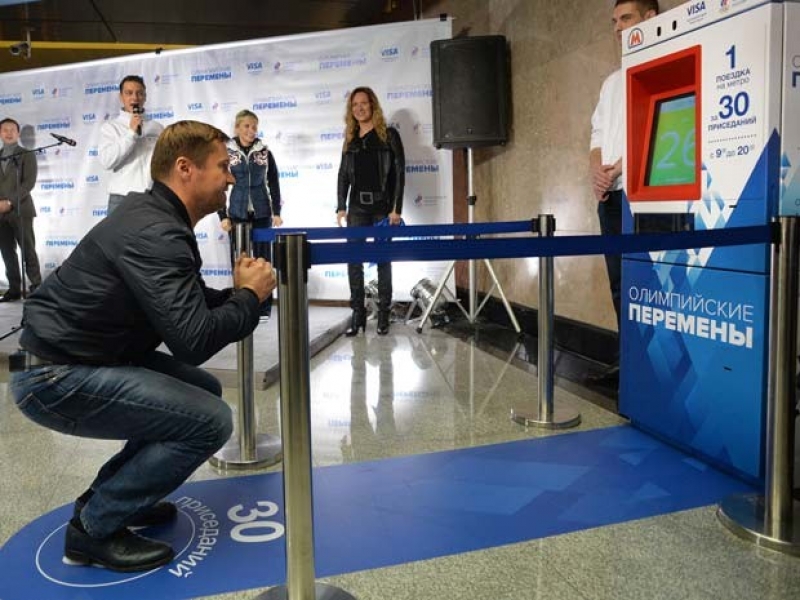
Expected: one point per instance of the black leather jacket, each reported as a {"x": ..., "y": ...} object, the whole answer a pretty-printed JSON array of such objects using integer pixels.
[
  {"x": 133, "y": 282},
  {"x": 392, "y": 165}
]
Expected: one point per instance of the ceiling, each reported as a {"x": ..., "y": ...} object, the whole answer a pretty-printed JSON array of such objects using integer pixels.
[{"x": 68, "y": 31}]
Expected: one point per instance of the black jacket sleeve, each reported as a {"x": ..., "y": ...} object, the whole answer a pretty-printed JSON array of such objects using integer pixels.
[
  {"x": 194, "y": 322},
  {"x": 398, "y": 174},
  {"x": 343, "y": 181},
  {"x": 273, "y": 181}
]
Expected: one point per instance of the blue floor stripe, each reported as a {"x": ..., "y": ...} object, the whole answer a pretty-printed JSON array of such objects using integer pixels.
[{"x": 387, "y": 512}]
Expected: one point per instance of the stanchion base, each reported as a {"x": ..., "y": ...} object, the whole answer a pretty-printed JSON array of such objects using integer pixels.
[
  {"x": 268, "y": 452},
  {"x": 323, "y": 592},
  {"x": 562, "y": 418},
  {"x": 744, "y": 516}
]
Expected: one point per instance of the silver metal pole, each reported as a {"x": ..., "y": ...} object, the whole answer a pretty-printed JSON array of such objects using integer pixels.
[
  {"x": 546, "y": 415},
  {"x": 292, "y": 259},
  {"x": 781, "y": 408},
  {"x": 249, "y": 450},
  {"x": 545, "y": 325},
  {"x": 472, "y": 271},
  {"x": 773, "y": 520},
  {"x": 244, "y": 363}
]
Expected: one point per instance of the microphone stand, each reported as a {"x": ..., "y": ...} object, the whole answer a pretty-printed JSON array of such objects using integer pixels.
[{"x": 16, "y": 204}]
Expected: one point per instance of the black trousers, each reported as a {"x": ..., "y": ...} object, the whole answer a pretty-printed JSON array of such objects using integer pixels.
[
  {"x": 610, "y": 214},
  {"x": 13, "y": 229},
  {"x": 355, "y": 271}
]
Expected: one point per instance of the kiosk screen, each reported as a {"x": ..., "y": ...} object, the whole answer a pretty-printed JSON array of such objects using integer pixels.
[{"x": 673, "y": 155}]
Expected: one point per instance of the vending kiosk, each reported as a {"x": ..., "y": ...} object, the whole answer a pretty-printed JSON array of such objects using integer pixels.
[{"x": 713, "y": 141}]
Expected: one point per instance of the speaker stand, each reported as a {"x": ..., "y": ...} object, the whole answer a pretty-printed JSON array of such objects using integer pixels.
[{"x": 474, "y": 311}]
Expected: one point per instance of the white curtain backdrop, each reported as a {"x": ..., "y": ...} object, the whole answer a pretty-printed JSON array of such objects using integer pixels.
[{"x": 297, "y": 85}]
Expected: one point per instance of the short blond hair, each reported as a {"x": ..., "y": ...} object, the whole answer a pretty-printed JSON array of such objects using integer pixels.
[
  {"x": 192, "y": 139},
  {"x": 244, "y": 114}
]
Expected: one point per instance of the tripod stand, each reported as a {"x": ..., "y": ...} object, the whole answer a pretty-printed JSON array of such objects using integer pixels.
[
  {"x": 18, "y": 228},
  {"x": 472, "y": 315}
]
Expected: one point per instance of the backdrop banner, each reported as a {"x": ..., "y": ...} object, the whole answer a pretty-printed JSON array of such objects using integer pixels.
[{"x": 297, "y": 85}]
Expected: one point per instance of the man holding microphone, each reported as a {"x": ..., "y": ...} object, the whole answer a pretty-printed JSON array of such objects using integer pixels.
[{"x": 127, "y": 142}]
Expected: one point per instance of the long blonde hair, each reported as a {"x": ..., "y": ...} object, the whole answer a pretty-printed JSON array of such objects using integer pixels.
[{"x": 378, "y": 120}]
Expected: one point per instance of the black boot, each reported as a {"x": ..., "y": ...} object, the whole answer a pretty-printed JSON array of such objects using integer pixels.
[
  {"x": 383, "y": 322},
  {"x": 358, "y": 320},
  {"x": 384, "y": 297}
]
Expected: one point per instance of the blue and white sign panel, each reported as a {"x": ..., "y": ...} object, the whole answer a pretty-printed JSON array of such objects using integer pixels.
[
  {"x": 790, "y": 158},
  {"x": 694, "y": 324},
  {"x": 297, "y": 85},
  {"x": 694, "y": 360}
]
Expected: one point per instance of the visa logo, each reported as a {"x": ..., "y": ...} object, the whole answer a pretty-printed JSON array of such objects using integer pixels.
[
  {"x": 89, "y": 117},
  {"x": 202, "y": 235},
  {"x": 38, "y": 92},
  {"x": 324, "y": 95},
  {"x": 195, "y": 106},
  {"x": 92, "y": 179},
  {"x": 389, "y": 52},
  {"x": 45, "y": 209},
  {"x": 696, "y": 8},
  {"x": 254, "y": 66}
]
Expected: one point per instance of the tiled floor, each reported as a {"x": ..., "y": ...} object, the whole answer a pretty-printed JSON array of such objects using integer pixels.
[{"x": 409, "y": 393}]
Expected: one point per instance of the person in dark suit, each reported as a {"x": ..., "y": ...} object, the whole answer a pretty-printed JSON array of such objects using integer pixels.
[{"x": 17, "y": 178}]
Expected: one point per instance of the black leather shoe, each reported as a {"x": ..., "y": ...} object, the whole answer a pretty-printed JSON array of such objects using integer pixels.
[
  {"x": 121, "y": 551},
  {"x": 383, "y": 322},
  {"x": 10, "y": 297},
  {"x": 358, "y": 320},
  {"x": 160, "y": 513}
]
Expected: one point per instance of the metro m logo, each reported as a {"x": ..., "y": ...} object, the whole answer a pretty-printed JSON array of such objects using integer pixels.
[{"x": 635, "y": 38}]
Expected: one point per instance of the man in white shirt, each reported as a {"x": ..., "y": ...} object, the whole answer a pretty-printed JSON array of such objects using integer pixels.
[
  {"x": 606, "y": 146},
  {"x": 127, "y": 142}
]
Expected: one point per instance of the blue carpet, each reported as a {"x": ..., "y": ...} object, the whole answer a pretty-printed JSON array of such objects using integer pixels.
[{"x": 229, "y": 534}]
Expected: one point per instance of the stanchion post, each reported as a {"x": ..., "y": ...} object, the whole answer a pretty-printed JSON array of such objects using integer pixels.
[
  {"x": 292, "y": 261},
  {"x": 772, "y": 520},
  {"x": 546, "y": 414},
  {"x": 248, "y": 450},
  {"x": 244, "y": 363}
]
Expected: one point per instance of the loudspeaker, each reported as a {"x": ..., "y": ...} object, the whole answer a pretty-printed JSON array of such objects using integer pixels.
[{"x": 470, "y": 91}]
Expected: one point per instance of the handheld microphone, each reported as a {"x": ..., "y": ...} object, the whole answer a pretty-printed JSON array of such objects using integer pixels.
[
  {"x": 64, "y": 140},
  {"x": 137, "y": 110}
]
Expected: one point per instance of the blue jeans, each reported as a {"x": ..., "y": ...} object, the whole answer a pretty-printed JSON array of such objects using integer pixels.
[{"x": 171, "y": 414}]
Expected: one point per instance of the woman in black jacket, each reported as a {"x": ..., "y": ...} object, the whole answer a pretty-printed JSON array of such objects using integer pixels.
[{"x": 372, "y": 178}]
